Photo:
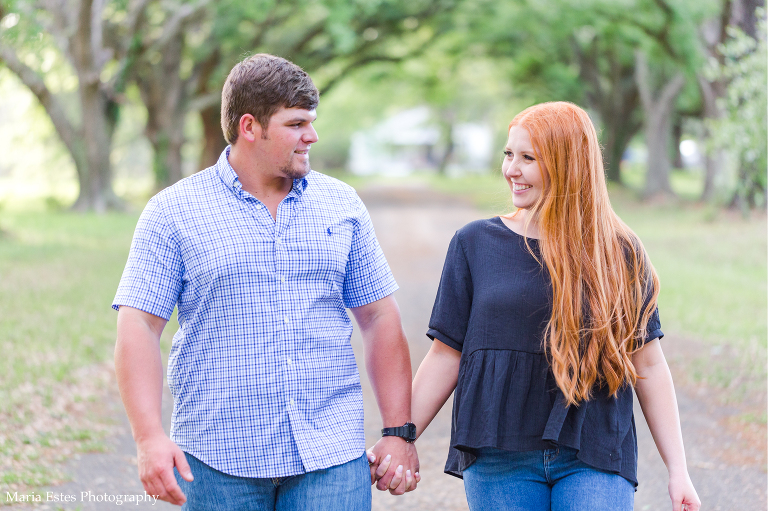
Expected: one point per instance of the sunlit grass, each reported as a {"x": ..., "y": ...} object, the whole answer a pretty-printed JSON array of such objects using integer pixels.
[{"x": 58, "y": 273}]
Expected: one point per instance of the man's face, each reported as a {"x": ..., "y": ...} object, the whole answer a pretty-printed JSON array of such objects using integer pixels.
[{"x": 286, "y": 142}]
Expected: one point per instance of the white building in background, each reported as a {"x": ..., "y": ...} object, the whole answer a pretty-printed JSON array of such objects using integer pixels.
[{"x": 409, "y": 140}]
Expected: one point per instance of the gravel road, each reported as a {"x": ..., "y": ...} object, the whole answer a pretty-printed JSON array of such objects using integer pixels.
[{"x": 414, "y": 227}]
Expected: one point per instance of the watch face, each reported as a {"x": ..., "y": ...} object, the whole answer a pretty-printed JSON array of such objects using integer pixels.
[{"x": 411, "y": 431}]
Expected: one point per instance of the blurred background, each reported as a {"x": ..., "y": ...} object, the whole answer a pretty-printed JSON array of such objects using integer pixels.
[{"x": 105, "y": 102}]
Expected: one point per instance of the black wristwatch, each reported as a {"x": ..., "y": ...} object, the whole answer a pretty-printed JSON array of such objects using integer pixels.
[{"x": 407, "y": 432}]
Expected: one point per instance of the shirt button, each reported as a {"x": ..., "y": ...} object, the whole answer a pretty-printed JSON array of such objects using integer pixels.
[
  {"x": 286, "y": 319},
  {"x": 289, "y": 361},
  {"x": 277, "y": 240},
  {"x": 292, "y": 403},
  {"x": 259, "y": 206},
  {"x": 282, "y": 279}
]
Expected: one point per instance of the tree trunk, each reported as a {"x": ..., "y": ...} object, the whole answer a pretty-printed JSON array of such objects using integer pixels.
[
  {"x": 615, "y": 100},
  {"x": 677, "y": 137},
  {"x": 164, "y": 95},
  {"x": 618, "y": 132},
  {"x": 713, "y": 160},
  {"x": 96, "y": 177},
  {"x": 214, "y": 142},
  {"x": 89, "y": 145},
  {"x": 446, "y": 121},
  {"x": 658, "y": 112}
]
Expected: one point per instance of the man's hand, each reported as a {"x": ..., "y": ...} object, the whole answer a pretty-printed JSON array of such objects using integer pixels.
[
  {"x": 156, "y": 458},
  {"x": 394, "y": 465}
]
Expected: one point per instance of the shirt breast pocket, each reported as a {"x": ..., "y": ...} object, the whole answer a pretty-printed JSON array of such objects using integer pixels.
[{"x": 324, "y": 252}]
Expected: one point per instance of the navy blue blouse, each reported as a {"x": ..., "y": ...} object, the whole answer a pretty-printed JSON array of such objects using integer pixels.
[{"x": 493, "y": 305}]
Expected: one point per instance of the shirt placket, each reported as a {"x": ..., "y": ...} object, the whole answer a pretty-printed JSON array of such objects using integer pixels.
[{"x": 285, "y": 312}]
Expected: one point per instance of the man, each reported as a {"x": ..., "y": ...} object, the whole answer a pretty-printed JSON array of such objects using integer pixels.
[{"x": 262, "y": 255}]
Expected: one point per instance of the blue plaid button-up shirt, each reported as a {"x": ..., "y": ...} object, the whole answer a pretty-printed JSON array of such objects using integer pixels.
[{"x": 261, "y": 370}]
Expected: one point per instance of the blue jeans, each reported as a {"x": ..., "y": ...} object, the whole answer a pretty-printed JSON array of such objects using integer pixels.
[
  {"x": 548, "y": 480},
  {"x": 344, "y": 487}
]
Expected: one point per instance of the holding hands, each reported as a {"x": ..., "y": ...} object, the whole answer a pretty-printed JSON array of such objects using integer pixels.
[{"x": 394, "y": 465}]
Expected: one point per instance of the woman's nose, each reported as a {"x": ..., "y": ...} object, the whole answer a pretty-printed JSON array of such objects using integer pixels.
[{"x": 512, "y": 170}]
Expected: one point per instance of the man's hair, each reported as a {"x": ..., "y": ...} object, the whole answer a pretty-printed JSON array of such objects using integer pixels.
[{"x": 260, "y": 85}]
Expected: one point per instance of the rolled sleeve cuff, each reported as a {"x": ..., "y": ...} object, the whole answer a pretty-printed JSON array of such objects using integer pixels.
[
  {"x": 655, "y": 334},
  {"x": 437, "y": 335},
  {"x": 150, "y": 308}
]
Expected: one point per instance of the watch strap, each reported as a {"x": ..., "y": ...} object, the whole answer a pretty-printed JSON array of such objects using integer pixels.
[{"x": 407, "y": 432}]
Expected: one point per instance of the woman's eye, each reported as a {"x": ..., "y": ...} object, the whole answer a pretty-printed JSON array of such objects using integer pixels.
[
  {"x": 529, "y": 158},
  {"x": 508, "y": 154}
]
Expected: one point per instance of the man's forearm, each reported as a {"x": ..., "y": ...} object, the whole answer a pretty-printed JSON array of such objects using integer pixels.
[
  {"x": 388, "y": 363},
  {"x": 139, "y": 371},
  {"x": 389, "y": 369}
]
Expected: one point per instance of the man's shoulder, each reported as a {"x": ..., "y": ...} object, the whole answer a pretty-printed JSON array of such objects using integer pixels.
[
  {"x": 198, "y": 185},
  {"x": 329, "y": 187}
]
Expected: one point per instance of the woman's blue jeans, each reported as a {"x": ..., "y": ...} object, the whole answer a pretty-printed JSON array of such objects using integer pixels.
[
  {"x": 548, "y": 480},
  {"x": 344, "y": 487}
]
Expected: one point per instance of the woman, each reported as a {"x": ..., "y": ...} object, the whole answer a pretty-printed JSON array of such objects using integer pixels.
[{"x": 544, "y": 321}]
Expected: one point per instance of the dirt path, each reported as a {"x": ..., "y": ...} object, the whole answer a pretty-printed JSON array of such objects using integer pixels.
[{"x": 414, "y": 226}]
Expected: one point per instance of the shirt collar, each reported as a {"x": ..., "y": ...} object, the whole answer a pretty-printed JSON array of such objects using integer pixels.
[{"x": 230, "y": 179}]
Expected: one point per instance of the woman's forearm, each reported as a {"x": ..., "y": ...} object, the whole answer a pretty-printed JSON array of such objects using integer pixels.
[
  {"x": 435, "y": 380},
  {"x": 656, "y": 394}
]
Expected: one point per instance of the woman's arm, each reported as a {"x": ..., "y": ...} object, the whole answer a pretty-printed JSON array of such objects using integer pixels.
[
  {"x": 433, "y": 384},
  {"x": 656, "y": 394}
]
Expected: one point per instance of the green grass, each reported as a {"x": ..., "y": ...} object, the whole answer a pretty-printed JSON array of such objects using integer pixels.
[{"x": 58, "y": 274}]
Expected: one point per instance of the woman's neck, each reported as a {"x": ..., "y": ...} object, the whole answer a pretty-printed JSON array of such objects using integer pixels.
[{"x": 522, "y": 223}]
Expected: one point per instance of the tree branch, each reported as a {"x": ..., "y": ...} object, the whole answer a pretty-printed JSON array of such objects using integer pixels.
[
  {"x": 643, "y": 79},
  {"x": 670, "y": 91},
  {"x": 313, "y": 32},
  {"x": 68, "y": 133},
  {"x": 132, "y": 50},
  {"x": 661, "y": 36},
  {"x": 178, "y": 22},
  {"x": 367, "y": 59}
]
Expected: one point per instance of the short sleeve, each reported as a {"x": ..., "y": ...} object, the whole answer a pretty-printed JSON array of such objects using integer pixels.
[
  {"x": 367, "y": 276},
  {"x": 653, "y": 328},
  {"x": 152, "y": 278},
  {"x": 453, "y": 303}
]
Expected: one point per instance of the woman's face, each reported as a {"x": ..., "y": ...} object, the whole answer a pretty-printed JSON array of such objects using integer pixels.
[{"x": 524, "y": 173}]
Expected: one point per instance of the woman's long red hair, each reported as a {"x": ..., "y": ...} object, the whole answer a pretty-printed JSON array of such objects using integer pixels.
[{"x": 603, "y": 286}]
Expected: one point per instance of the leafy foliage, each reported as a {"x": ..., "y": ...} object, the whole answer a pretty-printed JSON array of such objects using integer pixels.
[{"x": 742, "y": 132}]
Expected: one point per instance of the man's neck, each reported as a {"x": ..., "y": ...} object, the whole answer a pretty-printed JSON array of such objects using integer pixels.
[{"x": 269, "y": 187}]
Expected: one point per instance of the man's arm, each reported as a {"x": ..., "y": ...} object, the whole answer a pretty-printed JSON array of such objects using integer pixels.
[
  {"x": 139, "y": 371},
  {"x": 388, "y": 362}
]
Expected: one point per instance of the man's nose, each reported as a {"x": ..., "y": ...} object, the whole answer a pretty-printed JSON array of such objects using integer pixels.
[{"x": 310, "y": 137}]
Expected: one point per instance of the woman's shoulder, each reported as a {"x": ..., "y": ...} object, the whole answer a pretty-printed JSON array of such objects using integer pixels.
[{"x": 479, "y": 228}]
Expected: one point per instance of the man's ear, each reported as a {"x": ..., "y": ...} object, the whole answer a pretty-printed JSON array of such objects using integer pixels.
[{"x": 249, "y": 128}]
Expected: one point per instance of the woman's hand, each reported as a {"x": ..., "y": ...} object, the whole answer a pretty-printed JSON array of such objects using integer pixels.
[
  {"x": 683, "y": 494},
  {"x": 380, "y": 467}
]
